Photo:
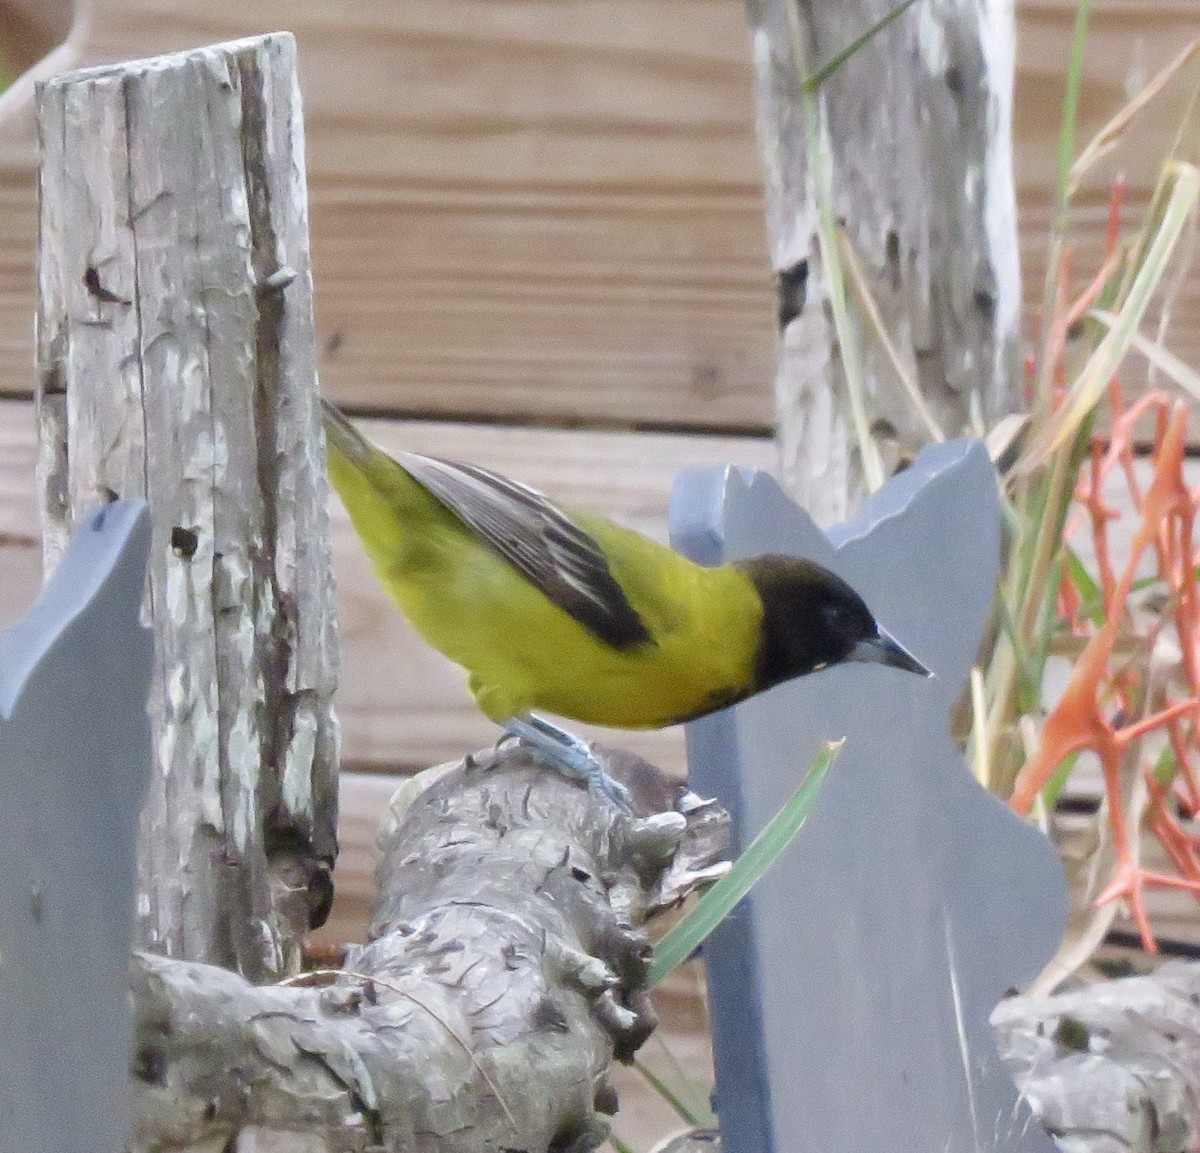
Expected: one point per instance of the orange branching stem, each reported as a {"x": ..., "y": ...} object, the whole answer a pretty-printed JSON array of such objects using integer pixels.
[
  {"x": 1101, "y": 691},
  {"x": 1116, "y": 206},
  {"x": 1070, "y": 605},
  {"x": 1111, "y": 706}
]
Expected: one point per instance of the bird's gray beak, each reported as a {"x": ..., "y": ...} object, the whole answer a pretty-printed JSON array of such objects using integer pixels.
[{"x": 884, "y": 649}]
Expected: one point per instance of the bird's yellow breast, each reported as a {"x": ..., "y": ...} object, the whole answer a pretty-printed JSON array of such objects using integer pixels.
[{"x": 524, "y": 652}]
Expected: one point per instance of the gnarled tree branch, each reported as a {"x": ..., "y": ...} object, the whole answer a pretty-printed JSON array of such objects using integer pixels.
[{"x": 507, "y": 969}]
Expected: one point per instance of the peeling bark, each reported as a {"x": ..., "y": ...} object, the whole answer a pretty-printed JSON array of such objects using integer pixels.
[
  {"x": 1112, "y": 1067},
  {"x": 506, "y": 971},
  {"x": 919, "y": 142}
]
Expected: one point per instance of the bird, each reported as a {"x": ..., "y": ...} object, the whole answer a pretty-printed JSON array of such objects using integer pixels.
[{"x": 563, "y": 611}]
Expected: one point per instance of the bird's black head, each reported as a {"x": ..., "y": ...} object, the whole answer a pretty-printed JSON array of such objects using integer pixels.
[{"x": 811, "y": 619}]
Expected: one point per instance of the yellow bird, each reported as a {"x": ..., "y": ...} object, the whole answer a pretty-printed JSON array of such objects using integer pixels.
[{"x": 566, "y": 612}]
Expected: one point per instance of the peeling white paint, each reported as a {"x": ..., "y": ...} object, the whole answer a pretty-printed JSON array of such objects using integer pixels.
[
  {"x": 243, "y": 764},
  {"x": 998, "y": 43},
  {"x": 941, "y": 273},
  {"x": 298, "y": 763},
  {"x": 189, "y": 379},
  {"x": 931, "y": 40}
]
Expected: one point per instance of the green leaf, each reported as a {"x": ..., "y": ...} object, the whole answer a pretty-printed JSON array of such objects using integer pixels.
[
  {"x": 1166, "y": 767},
  {"x": 759, "y": 856},
  {"x": 1148, "y": 582},
  {"x": 1090, "y": 597},
  {"x": 1055, "y": 785},
  {"x": 1047, "y": 627}
]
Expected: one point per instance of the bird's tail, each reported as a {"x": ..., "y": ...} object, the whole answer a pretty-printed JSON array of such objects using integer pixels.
[
  {"x": 377, "y": 491},
  {"x": 343, "y": 438}
]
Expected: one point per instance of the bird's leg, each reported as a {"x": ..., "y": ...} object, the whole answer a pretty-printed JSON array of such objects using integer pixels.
[{"x": 569, "y": 755}]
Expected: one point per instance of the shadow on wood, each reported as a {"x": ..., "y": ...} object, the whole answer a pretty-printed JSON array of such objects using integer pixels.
[{"x": 851, "y": 991}]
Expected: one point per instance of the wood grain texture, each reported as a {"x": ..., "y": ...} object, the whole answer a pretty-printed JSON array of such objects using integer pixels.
[
  {"x": 644, "y": 1117},
  {"x": 475, "y": 933},
  {"x": 915, "y": 161},
  {"x": 583, "y": 243},
  {"x": 553, "y": 211},
  {"x": 179, "y": 368}
]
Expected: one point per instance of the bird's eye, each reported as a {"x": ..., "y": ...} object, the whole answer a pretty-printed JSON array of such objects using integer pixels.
[{"x": 836, "y": 615}]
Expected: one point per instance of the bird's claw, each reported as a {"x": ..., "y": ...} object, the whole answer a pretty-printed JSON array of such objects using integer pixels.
[
  {"x": 598, "y": 781},
  {"x": 571, "y": 756}
]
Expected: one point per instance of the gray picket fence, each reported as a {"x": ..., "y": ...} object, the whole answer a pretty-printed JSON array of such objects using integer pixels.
[{"x": 850, "y": 991}]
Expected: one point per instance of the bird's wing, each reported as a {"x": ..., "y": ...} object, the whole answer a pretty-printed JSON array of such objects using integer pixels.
[{"x": 541, "y": 542}]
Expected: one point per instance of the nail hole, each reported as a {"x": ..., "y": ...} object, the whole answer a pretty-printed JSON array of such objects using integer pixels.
[{"x": 184, "y": 541}]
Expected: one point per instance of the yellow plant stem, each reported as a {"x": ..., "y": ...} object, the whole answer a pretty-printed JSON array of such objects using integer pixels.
[
  {"x": 1003, "y": 766},
  {"x": 1047, "y": 541},
  {"x": 1027, "y": 596}
]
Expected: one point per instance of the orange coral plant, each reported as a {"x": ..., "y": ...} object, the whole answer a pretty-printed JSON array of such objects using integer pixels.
[{"x": 1103, "y": 691}]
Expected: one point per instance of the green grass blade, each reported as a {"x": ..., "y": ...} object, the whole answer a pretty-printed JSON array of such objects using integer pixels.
[
  {"x": 1091, "y": 599},
  {"x": 1058, "y": 223},
  {"x": 1048, "y": 628},
  {"x": 1165, "y": 768},
  {"x": 1066, "y": 136},
  {"x": 826, "y": 70},
  {"x": 675, "y": 1100},
  {"x": 1020, "y": 654},
  {"x": 1055, "y": 785},
  {"x": 715, "y": 905},
  {"x": 687, "y": 1095},
  {"x": 1161, "y": 358}
]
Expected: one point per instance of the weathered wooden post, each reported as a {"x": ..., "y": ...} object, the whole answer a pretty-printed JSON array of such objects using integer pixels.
[
  {"x": 176, "y": 363},
  {"x": 913, "y": 159}
]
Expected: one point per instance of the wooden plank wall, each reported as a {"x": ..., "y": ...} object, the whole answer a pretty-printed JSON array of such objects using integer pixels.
[
  {"x": 549, "y": 212},
  {"x": 402, "y": 705}
]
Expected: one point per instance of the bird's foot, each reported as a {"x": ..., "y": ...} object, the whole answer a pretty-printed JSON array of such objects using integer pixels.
[{"x": 569, "y": 755}]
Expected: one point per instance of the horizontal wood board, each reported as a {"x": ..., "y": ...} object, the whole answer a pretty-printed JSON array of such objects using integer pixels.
[
  {"x": 402, "y": 705},
  {"x": 550, "y": 212}
]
